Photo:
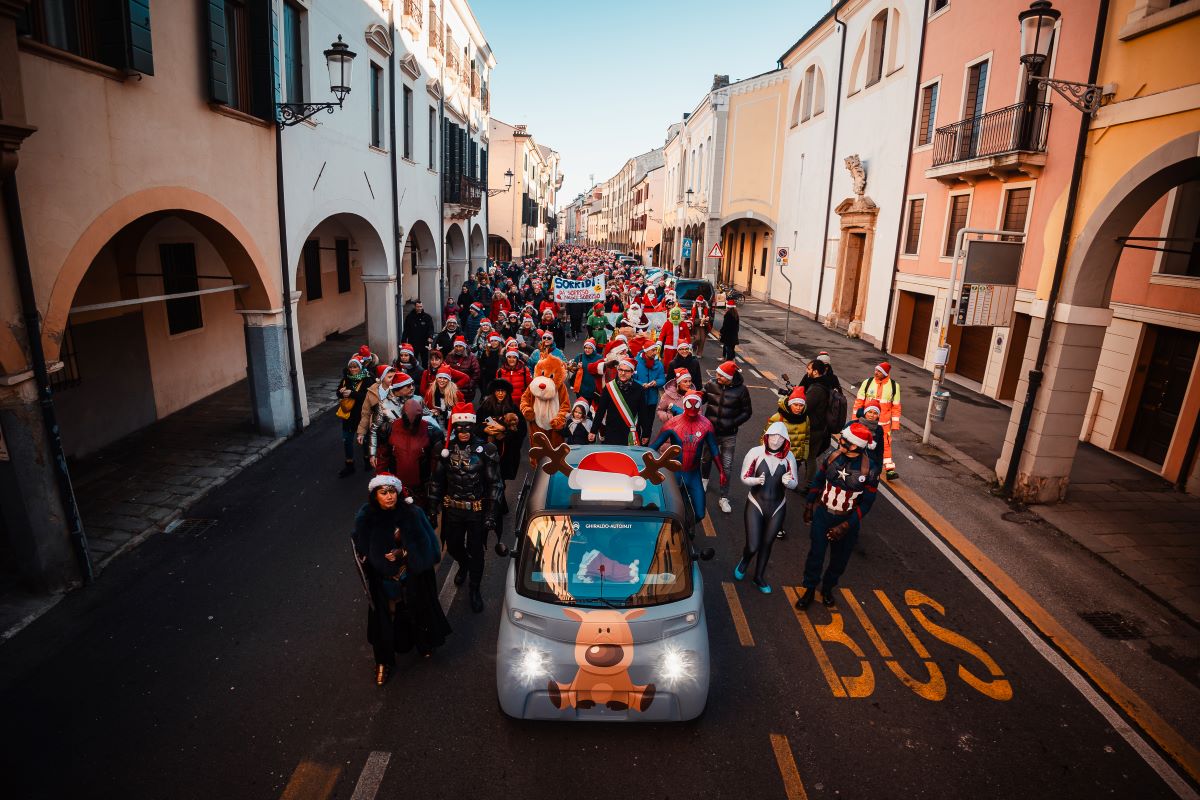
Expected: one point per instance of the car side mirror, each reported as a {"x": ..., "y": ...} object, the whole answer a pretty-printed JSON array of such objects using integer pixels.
[
  {"x": 502, "y": 550},
  {"x": 707, "y": 554}
]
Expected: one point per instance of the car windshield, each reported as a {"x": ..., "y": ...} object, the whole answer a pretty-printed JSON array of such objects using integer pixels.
[
  {"x": 611, "y": 561},
  {"x": 687, "y": 291}
]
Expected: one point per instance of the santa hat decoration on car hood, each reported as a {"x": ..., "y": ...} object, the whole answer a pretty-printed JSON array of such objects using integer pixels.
[{"x": 607, "y": 475}]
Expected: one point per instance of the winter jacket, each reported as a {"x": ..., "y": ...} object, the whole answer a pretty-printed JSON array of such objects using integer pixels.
[
  {"x": 519, "y": 378},
  {"x": 461, "y": 379},
  {"x": 471, "y": 325},
  {"x": 730, "y": 327},
  {"x": 444, "y": 341},
  {"x": 647, "y": 373},
  {"x": 888, "y": 395},
  {"x": 536, "y": 356},
  {"x": 797, "y": 425},
  {"x": 670, "y": 403},
  {"x": 375, "y": 536},
  {"x": 609, "y": 426},
  {"x": 468, "y": 365},
  {"x": 727, "y": 407},
  {"x": 692, "y": 365},
  {"x": 418, "y": 329},
  {"x": 358, "y": 392},
  {"x": 585, "y": 379},
  {"x": 817, "y": 393}
]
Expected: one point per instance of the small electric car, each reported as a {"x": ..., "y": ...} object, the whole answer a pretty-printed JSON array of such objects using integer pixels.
[{"x": 603, "y": 614}]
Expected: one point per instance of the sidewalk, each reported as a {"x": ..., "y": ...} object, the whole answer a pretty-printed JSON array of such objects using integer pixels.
[
  {"x": 1131, "y": 518},
  {"x": 145, "y": 482}
]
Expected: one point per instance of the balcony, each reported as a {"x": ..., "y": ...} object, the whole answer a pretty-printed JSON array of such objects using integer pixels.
[
  {"x": 485, "y": 99},
  {"x": 453, "y": 68},
  {"x": 463, "y": 195},
  {"x": 413, "y": 18},
  {"x": 1003, "y": 144},
  {"x": 436, "y": 34}
]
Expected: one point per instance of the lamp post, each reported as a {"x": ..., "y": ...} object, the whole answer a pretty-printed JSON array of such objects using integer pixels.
[
  {"x": 1037, "y": 34},
  {"x": 338, "y": 59},
  {"x": 508, "y": 179}
]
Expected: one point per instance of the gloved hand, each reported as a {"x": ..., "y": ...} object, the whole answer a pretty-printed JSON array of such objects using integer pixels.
[
  {"x": 836, "y": 533},
  {"x": 433, "y": 519},
  {"x": 760, "y": 480},
  {"x": 489, "y": 522},
  {"x": 808, "y": 513}
]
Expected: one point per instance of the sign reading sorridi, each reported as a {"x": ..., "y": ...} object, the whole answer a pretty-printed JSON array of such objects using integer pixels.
[{"x": 588, "y": 291}]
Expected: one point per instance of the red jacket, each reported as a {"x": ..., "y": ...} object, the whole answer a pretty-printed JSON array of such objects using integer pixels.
[
  {"x": 499, "y": 307},
  {"x": 461, "y": 379},
  {"x": 519, "y": 378}
]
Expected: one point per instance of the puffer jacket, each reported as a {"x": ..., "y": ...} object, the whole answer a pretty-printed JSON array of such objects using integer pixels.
[
  {"x": 727, "y": 407},
  {"x": 797, "y": 425},
  {"x": 670, "y": 400}
]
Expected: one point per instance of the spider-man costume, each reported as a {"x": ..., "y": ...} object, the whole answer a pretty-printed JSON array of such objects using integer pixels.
[{"x": 692, "y": 432}]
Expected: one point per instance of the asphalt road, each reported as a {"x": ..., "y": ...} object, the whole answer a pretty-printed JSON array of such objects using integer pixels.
[{"x": 233, "y": 663}]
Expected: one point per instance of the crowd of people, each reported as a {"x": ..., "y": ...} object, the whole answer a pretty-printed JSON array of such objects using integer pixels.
[{"x": 444, "y": 426}]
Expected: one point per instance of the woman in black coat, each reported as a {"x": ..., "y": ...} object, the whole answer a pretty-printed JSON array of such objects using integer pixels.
[
  {"x": 507, "y": 429},
  {"x": 397, "y": 551}
]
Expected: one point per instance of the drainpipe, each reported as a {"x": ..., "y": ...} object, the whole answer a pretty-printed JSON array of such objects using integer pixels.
[
  {"x": 33, "y": 332},
  {"x": 396, "y": 251},
  {"x": 1060, "y": 265},
  {"x": 912, "y": 134},
  {"x": 288, "y": 323},
  {"x": 442, "y": 138},
  {"x": 837, "y": 118}
]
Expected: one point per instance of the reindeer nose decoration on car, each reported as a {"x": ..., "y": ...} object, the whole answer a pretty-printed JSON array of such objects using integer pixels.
[{"x": 605, "y": 474}]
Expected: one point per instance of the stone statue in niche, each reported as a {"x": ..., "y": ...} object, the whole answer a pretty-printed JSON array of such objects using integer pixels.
[{"x": 857, "y": 174}]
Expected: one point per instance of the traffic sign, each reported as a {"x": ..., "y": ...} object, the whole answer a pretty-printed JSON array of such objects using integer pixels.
[
  {"x": 715, "y": 251},
  {"x": 687, "y": 248},
  {"x": 781, "y": 256}
]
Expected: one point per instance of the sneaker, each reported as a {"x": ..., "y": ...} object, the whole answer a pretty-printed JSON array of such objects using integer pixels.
[
  {"x": 765, "y": 588},
  {"x": 805, "y": 599},
  {"x": 827, "y": 599},
  {"x": 892, "y": 474},
  {"x": 739, "y": 571},
  {"x": 704, "y": 483},
  {"x": 724, "y": 504}
]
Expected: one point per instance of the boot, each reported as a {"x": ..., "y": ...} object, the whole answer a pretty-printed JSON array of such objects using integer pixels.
[
  {"x": 382, "y": 673},
  {"x": 476, "y": 599},
  {"x": 347, "y": 469},
  {"x": 805, "y": 599},
  {"x": 460, "y": 577},
  {"x": 739, "y": 571},
  {"x": 827, "y": 598}
]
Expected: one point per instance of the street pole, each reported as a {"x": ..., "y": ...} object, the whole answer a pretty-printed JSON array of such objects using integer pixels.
[
  {"x": 787, "y": 319},
  {"x": 943, "y": 355}
]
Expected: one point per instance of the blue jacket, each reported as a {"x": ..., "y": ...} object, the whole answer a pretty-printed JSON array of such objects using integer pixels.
[
  {"x": 587, "y": 383},
  {"x": 536, "y": 356},
  {"x": 645, "y": 374}
]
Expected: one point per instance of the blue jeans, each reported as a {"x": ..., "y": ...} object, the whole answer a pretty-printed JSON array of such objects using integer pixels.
[{"x": 818, "y": 545}]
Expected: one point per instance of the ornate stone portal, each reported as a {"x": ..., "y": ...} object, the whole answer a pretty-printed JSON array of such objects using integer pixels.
[{"x": 858, "y": 217}]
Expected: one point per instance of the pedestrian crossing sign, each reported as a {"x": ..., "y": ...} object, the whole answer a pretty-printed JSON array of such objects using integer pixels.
[{"x": 715, "y": 251}]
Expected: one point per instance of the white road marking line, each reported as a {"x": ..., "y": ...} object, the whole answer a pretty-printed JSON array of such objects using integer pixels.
[
  {"x": 372, "y": 775},
  {"x": 448, "y": 590},
  {"x": 1118, "y": 723}
]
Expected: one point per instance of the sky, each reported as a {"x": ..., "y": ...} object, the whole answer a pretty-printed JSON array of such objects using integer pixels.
[{"x": 600, "y": 81}]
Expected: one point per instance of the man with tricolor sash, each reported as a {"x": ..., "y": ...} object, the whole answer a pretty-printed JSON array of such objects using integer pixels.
[{"x": 616, "y": 420}]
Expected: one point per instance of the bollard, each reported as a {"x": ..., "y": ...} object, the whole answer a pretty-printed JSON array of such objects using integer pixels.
[{"x": 941, "y": 402}]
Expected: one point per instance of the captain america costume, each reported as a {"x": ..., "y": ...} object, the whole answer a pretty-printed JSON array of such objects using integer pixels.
[{"x": 841, "y": 493}]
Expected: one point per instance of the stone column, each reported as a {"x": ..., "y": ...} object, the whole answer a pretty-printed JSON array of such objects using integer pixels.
[
  {"x": 1069, "y": 370},
  {"x": 381, "y": 315},
  {"x": 427, "y": 291},
  {"x": 267, "y": 371},
  {"x": 29, "y": 491}
]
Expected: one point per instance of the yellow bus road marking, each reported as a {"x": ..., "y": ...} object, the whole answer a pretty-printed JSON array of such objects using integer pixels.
[
  {"x": 739, "y": 616},
  {"x": 955, "y": 546},
  {"x": 311, "y": 781},
  {"x": 831, "y": 676},
  {"x": 708, "y": 526},
  {"x": 793, "y": 787},
  {"x": 766, "y": 373}
]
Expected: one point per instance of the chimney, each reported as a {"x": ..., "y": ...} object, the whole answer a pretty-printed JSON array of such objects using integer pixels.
[{"x": 720, "y": 82}]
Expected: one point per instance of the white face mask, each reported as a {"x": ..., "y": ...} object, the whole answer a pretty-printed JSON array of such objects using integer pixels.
[{"x": 775, "y": 441}]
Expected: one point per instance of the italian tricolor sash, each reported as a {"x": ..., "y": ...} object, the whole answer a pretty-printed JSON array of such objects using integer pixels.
[{"x": 623, "y": 409}]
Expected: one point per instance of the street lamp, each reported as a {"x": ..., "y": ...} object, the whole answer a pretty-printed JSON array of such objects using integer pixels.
[
  {"x": 1037, "y": 33},
  {"x": 508, "y": 178},
  {"x": 338, "y": 59}
]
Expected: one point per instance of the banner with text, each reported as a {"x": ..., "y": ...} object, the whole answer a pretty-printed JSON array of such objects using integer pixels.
[{"x": 588, "y": 291}]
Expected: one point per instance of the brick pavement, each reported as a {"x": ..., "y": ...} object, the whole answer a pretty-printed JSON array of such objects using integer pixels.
[{"x": 1127, "y": 516}]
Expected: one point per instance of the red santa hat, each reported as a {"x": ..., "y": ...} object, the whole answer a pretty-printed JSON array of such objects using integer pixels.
[
  {"x": 797, "y": 396},
  {"x": 859, "y": 435},
  {"x": 589, "y": 342},
  {"x": 607, "y": 475},
  {"x": 685, "y": 344},
  {"x": 388, "y": 479},
  {"x": 477, "y": 307},
  {"x": 511, "y": 346},
  {"x": 452, "y": 318},
  {"x": 730, "y": 303},
  {"x": 460, "y": 341},
  {"x": 495, "y": 338},
  {"x": 546, "y": 335},
  {"x": 681, "y": 373},
  {"x": 382, "y": 370},
  {"x": 872, "y": 403},
  {"x": 444, "y": 372},
  {"x": 626, "y": 363},
  {"x": 823, "y": 357},
  {"x": 620, "y": 337},
  {"x": 885, "y": 368},
  {"x": 364, "y": 351},
  {"x": 407, "y": 348},
  {"x": 584, "y": 404},
  {"x": 727, "y": 370},
  {"x": 462, "y": 413},
  {"x": 403, "y": 379}
]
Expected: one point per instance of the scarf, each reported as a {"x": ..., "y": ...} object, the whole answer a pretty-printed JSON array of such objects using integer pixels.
[{"x": 627, "y": 415}]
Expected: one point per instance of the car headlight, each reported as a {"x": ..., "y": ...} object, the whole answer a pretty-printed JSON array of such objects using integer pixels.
[
  {"x": 676, "y": 666},
  {"x": 532, "y": 665}
]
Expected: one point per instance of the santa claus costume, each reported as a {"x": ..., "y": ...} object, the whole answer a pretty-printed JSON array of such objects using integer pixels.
[{"x": 673, "y": 331}]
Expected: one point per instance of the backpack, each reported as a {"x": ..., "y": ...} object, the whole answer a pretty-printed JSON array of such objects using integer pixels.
[{"x": 836, "y": 413}]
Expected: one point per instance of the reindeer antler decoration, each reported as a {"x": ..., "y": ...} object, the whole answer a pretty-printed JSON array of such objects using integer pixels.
[
  {"x": 655, "y": 462},
  {"x": 540, "y": 447}
]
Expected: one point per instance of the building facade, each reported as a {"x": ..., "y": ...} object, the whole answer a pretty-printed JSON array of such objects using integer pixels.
[{"x": 523, "y": 217}]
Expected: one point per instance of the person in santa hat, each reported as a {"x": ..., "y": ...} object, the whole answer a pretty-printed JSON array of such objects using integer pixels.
[
  {"x": 701, "y": 318},
  {"x": 769, "y": 470},
  {"x": 442, "y": 395},
  {"x": 514, "y": 370},
  {"x": 793, "y": 414},
  {"x": 693, "y": 432},
  {"x": 731, "y": 325},
  {"x": 870, "y": 416},
  {"x": 686, "y": 359},
  {"x": 550, "y": 324},
  {"x": 881, "y": 386},
  {"x": 840, "y": 496},
  {"x": 579, "y": 424},
  {"x": 407, "y": 361},
  {"x": 500, "y": 306},
  {"x": 480, "y": 342},
  {"x": 728, "y": 407},
  {"x": 467, "y": 487},
  {"x": 598, "y": 325},
  {"x": 490, "y": 358},
  {"x": 673, "y": 333},
  {"x": 418, "y": 331},
  {"x": 650, "y": 374},
  {"x": 397, "y": 551},
  {"x": 475, "y": 316},
  {"x": 584, "y": 369},
  {"x": 620, "y": 404},
  {"x": 463, "y": 360},
  {"x": 373, "y": 404},
  {"x": 351, "y": 392},
  {"x": 445, "y": 338},
  {"x": 406, "y": 445},
  {"x": 670, "y": 403}
]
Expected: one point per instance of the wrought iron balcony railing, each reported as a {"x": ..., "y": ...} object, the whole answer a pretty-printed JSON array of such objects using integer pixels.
[
  {"x": 1018, "y": 128},
  {"x": 463, "y": 191},
  {"x": 412, "y": 10},
  {"x": 436, "y": 32}
]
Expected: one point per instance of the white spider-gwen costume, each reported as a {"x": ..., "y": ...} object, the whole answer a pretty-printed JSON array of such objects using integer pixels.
[{"x": 769, "y": 470}]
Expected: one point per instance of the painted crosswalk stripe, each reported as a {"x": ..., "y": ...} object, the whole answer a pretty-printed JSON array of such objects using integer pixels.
[
  {"x": 311, "y": 781},
  {"x": 739, "y": 616},
  {"x": 793, "y": 787},
  {"x": 372, "y": 775},
  {"x": 708, "y": 527}
]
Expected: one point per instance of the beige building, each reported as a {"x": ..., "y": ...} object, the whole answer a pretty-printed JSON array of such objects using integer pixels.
[
  {"x": 522, "y": 215},
  {"x": 646, "y": 226}
]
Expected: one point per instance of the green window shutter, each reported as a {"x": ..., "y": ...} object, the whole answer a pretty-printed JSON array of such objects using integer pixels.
[
  {"x": 218, "y": 53},
  {"x": 121, "y": 34},
  {"x": 264, "y": 59}
]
